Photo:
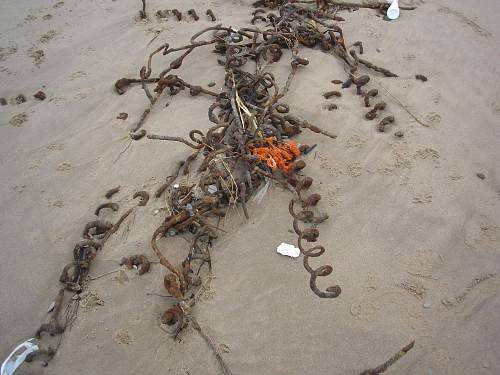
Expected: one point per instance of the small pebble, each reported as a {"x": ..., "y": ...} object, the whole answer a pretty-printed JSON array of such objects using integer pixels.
[
  {"x": 421, "y": 77},
  {"x": 122, "y": 116},
  {"x": 486, "y": 365},
  {"x": 427, "y": 305},
  {"x": 481, "y": 175},
  {"x": 3, "y": 101},
  {"x": 399, "y": 134},
  {"x": 378, "y": 50},
  {"x": 211, "y": 84},
  {"x": 40, "y": 95}
]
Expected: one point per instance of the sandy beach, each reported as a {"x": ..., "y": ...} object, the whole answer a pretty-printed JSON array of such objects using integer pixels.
[{"x": 414, "y": 227}]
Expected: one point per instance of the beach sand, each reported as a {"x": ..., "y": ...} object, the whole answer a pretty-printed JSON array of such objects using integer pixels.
[{"x": 413, "y": 234}]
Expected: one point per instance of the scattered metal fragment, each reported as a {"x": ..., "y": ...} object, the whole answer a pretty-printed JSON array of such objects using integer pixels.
[
  {"x": 370, "y": 115},
  {"x": 40, "y": 95},
  {"x": 337, "y": 81},
  {"x": 144, "y": 195},
  {"x": 329, "y": 94},
  {"x": 138, "y": 134},
  {"x": 96, "y": 228},
  {"x": 370, "y": 94},
  {"x": 360, "y": 82},
  {"x": 112, "y": 192},
  {"x": 112, "y": 206},
  {"x": 193, "y": 14},
  {"x": 384, "y": 122},
  {"x": 347, "y": 83},
  {"x": 211, "y": 14},
  {"x": 53, "y": 327},
  {"x": 142, "y": 12},
  {"x": 360, "y": 46},
  {"x": 177, "y": 14},
  {"x": 383, "y": 367},
  {"x": 139, "y": 260}
]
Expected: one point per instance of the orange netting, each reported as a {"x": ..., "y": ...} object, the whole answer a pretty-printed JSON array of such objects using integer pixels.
[{"x": 277, "y": 155}]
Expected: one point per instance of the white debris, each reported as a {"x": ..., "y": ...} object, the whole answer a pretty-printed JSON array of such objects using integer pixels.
[
  {"x": 17, "y": 357},
  {"x": 288, "y": 250},
  {"x": 212, "y": 189}
]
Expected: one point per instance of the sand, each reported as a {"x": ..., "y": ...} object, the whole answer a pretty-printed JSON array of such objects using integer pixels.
[{"x": 411, "y": 227}]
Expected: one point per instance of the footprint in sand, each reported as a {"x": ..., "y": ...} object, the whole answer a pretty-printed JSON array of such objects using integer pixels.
[
  {"x": 122, "y": 336},
  {"x": 121, "y": 278},
  {"x": 58, "y": 204},
  {"x": 405, "y": 311},
  {"x": 35, "y": 164},
  {"x": 424, "y": 198},
  {"x": 6, "y": 52},
  {"x": 18, "y": 120},
  {"x": 428, "y": 154},
  {"x": 55, "y": 147},
  {"x": 466, "y": 21},
  {"x": 409, "y": 57},
  {"x": 48, "y": 36},
  {"x": 19, "y": 188},
  {"x": 482, "y": 233},
  {"x": 30, "y": 18},
  {"x": 37, "y": 55},
  {"x": 496, "y": 108},
  {"x": 91, "y": 300},
  {"x": 354, "y": 169},
  {"x": 78, "y": 74},
  {"x": 455, "y": 174},
  {"x": 436, "y": 98},
  {"x": 355, "y": 140},
  {"x": 64, "y": 167},
  {"x": 432, "y": 118},
  {"x": 421, "y": 263},
  {"x": 333, "y": 196}
]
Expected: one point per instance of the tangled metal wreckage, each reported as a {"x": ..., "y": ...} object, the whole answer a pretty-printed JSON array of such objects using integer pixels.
[{"x": 249, "y": 146}]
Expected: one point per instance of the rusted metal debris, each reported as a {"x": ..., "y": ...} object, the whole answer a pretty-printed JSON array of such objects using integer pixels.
[{"x": 247, "y": 114}]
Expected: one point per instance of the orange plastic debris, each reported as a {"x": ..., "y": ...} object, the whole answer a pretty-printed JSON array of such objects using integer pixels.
[{"x": 277, "y": 155}]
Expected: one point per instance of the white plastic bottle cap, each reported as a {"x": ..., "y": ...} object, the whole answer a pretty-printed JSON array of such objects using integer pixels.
[{"x": 393, "y": 10}]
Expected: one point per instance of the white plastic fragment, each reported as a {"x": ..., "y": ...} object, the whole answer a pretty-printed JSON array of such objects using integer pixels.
[
  {"x": 212, "y": 189},
  {"x": 16, "y": 358},
  {"x": 260, "y": 194},
  {"x": 393, "y": 10},
  {"x": 288, "y": 250}
]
